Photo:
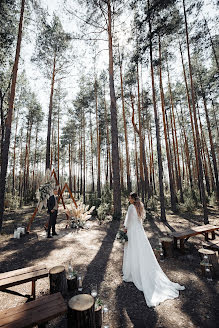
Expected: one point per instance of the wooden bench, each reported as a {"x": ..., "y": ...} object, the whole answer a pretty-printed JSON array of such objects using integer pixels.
[
  {"x": 185, "y": 235},
  {"x": 21, "y": 276},
  {"x": 37, "y": 312}
]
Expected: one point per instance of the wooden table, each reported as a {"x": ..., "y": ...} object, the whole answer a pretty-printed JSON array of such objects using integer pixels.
[
  {"x": 37, "y": 312},
  {"x": 21, "y": 276},
  {"x": 186, "y": 234}
]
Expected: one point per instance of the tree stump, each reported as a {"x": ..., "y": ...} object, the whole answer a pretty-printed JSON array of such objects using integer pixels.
[
  {"x": 72, "y": 283},
  {"x": 98, "y": 317},
  {"x": 81, "y": 312},
  {"x": 203, "y": 269},
  {"x": 212, "y": 259},
  {"x": 167, "y": 244},
  {"x": 58, "y": 281},
  {"x": 157, "y": 254}
]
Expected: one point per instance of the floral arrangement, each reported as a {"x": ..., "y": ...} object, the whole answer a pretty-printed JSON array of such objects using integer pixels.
[
  {"x": 44, "y": 191},
  {"x": 122, "y": 236},
  {"x": 79, "y": 215},
  {"x": 98, "y": 303}
]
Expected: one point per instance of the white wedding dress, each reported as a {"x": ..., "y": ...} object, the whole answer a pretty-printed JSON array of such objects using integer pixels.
[{"x": 140, "y": 265}]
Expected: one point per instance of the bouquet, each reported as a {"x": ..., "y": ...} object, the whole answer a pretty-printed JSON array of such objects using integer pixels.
[{"x": 122, "y": 236}]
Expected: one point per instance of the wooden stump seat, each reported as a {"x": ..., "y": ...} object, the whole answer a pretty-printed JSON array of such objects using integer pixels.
[
  {"x": 167, "y": 245},
  {"x": 213, "y": 260},
  {"x": 37, "y": 312},
  {"x": 21, "y": 276},
  {"x": 58, "y": 280},
  {"x": 186, "y": 234},
  {"x": 81, "y": 312},
  {"x": 211, "y": 244}
]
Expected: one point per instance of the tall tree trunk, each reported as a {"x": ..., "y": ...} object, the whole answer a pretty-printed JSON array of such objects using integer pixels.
[
  {"x": 190, "y": 113},
  {"x": 69, "y": 166},
  {"x": 202, "y": 187},
  {"x": 8, "y": 122},
  {"x": 14, "y": 157},
  {"x": 92, "y": 158},
  {"x": 58, "y": 146},
  {"x": 114, "y": 129},
  {"x": 157, "y": 125},
  {"x": 170, "y": 169},
  {"x": 50, "y": 115},
  {"x": 211, "y": 142},
  {"x": 129, "y": 186},
  {"x": 98, "y": 142},
  {"x": 179, "y": 182}
]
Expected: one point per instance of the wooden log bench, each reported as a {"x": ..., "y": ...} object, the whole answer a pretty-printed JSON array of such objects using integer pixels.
[
  {"x": 37, "y": 312},
  {"x": 185, "y": 235},
  {"x": 21, "y": 276}
]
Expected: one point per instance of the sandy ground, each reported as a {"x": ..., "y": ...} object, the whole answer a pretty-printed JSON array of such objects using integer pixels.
[{"x": 97, "y": 256}]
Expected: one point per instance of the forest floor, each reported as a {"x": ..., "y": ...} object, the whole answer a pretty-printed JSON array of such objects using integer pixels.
[{"x": 97, "y": 256}]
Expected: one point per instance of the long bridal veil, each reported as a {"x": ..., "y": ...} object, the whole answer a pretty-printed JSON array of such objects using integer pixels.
[{"x": 140, "y": 265}]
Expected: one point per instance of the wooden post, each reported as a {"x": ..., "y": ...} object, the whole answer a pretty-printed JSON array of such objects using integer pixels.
[
  {"x": 167, "y": 244},
  {"x": 58, "y": 281},
  {"x": 72, "y": 283},
  {"x": 98, "y": 317},
  {"x": 212, "y": 258},
  {"x": 81, "y": 312}
]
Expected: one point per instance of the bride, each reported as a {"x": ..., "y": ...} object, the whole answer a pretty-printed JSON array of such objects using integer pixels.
[{"x": 140, "y": 265}]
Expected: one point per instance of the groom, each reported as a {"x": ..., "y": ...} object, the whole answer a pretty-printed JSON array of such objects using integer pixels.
[{"x": 52, "y": 210}]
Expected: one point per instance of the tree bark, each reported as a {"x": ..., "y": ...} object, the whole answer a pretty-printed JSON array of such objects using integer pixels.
[
  {"x": 114, "y": 129},
  {"x": 157, "y": 125},
  {"x": 8, "y": 122},
  {"x": 50, "y": 115},
  {"x": 202, "y": 187}
]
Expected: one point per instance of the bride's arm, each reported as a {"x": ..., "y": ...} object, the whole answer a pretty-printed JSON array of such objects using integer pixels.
[{"x": 129, "y": 217}]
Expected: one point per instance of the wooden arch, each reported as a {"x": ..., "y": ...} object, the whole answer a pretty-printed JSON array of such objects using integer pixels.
[{"x": 59, "y": 198}]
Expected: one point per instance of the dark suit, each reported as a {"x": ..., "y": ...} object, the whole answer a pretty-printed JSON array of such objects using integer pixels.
[{"x": 52, "y": 215}]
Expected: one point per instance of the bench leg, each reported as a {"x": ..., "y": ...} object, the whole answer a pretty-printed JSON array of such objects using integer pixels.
[
  {"x": 206, "y": 236},
  {"x": 213, "y": 235},
  {"x": 33, "y": 291},
  {"x": 182, "y": 245},
  {"x": 175, "y": 242}
]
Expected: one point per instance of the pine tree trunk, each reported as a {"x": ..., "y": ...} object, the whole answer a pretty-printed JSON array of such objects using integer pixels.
[
  {"x": 8, "y": 122},
  {"x": 114, "y": 129},
  {"x": 14, "y": 157},
  {"x": 50, "y": 115},
  {"x": 179, "y": 181},
  {"x": 129, "y": 187},
  {"x": 98, "y": 144},
  {"x": 170, "y": 170},
  {"x": 202, "y": 187},
  {"x": 156, "y": 118}
]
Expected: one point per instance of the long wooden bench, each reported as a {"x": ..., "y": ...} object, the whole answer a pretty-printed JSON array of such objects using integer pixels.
[
  {"x": 37, "y": 312},
  {"x": 185, "y": 235},
  {"x": 21, "y": 276}
]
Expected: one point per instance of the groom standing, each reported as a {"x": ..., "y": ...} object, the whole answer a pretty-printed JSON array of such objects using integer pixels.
[{"x": 53, "y": 210}]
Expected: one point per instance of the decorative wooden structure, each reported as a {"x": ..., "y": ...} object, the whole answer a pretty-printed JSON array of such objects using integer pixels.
[
  {"x": 213, "y": 260},
  {"x": 37, "y": 312},
  {"x": 167, "y": 244},
  {"x": 21, "y": 276},
  {"x": 58, "y": 281},
  {"x": 59, "y": 198},
  {"x": 81, "y": 312}
]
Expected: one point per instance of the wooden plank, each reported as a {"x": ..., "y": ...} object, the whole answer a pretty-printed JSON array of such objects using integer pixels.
[
  {"x": 21, "y": 279},
  {"x": 194, "y": 231},
  {"x": 36, "y": 316},
  {"x": 42, "y": 301},
  {"x": 13, "y": 273}
]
